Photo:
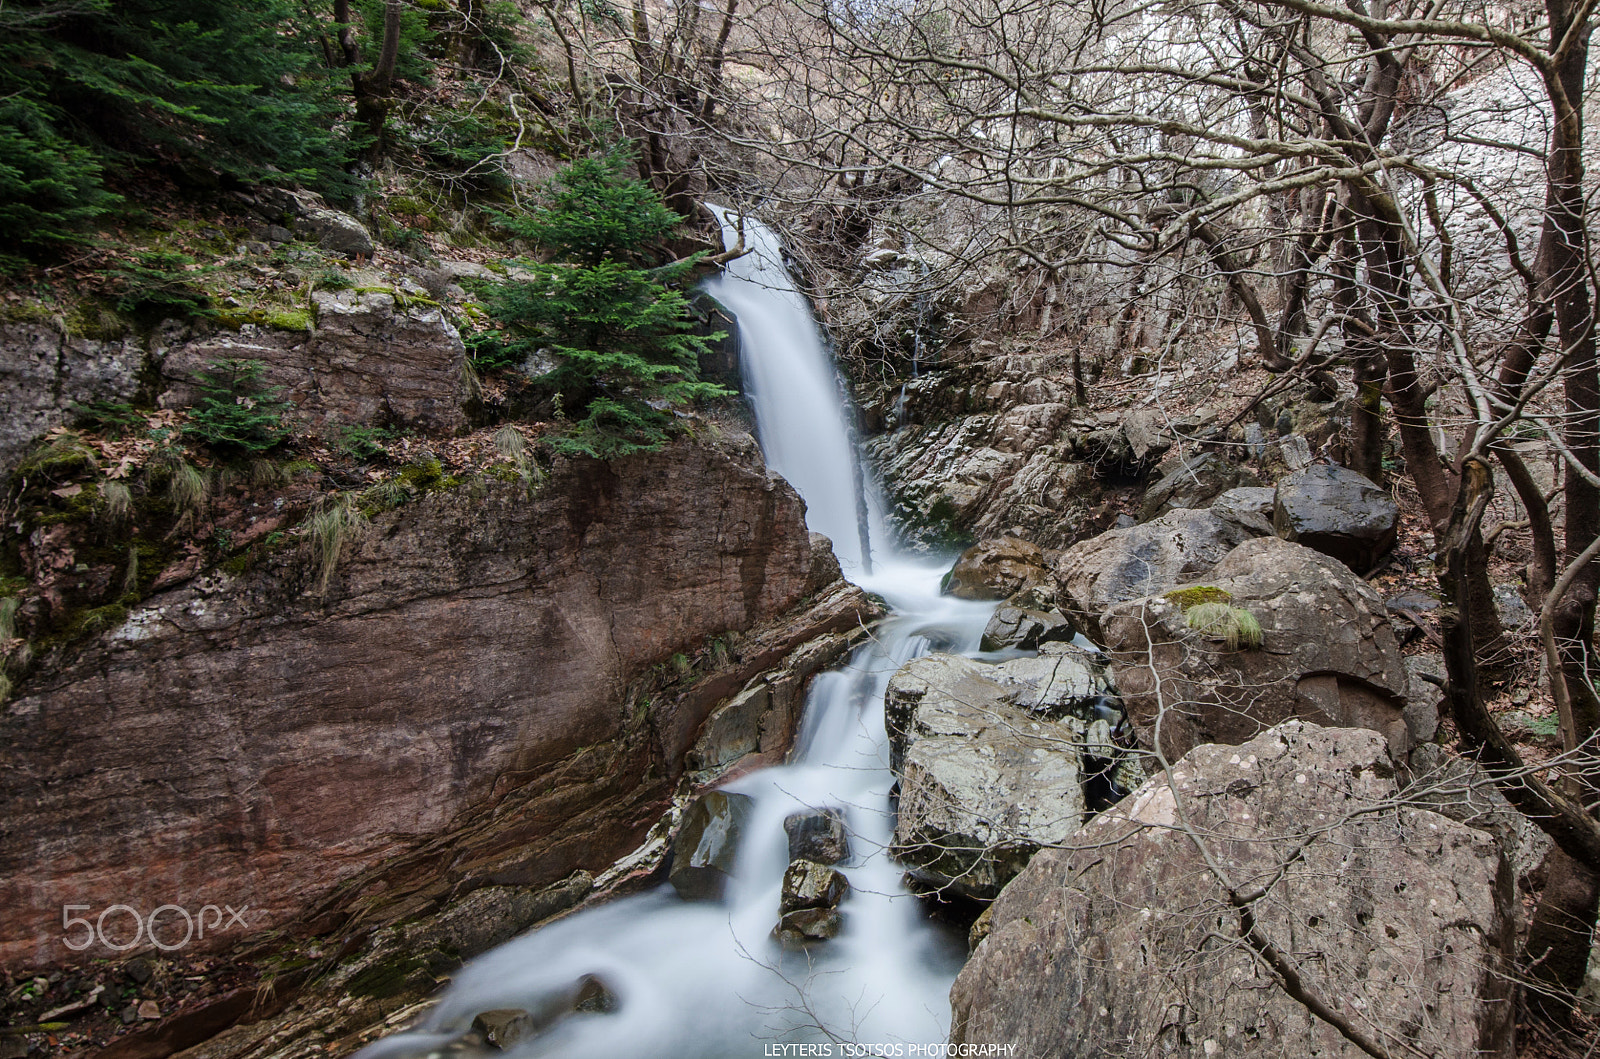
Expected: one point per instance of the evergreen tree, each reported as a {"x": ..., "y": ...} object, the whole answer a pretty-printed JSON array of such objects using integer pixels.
[
  {"x": 620, "y": 328},
  {"x": 224, "y": 86}
]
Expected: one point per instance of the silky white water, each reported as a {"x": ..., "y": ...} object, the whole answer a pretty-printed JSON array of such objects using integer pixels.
[
  {"x": 706, "y": 980},
  {"x": 800, "y": 411}
]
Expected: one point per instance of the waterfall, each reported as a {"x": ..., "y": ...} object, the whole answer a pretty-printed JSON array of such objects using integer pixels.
[
  {"x": 706, "y": 980},
  {"x": 791, "y": 382}
]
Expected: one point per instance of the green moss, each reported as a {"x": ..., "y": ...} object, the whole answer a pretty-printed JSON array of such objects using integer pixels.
[
  {"x": 1195, "y": 595},
  {"x": 428, "y": 476},
  {"x": 62, "y": 459},
  {"x": 290, "y": 320}
]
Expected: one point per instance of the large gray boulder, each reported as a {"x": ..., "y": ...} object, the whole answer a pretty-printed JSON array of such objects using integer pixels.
[
  {"x": 1337, "y": 512},
  {"x": 987, "y": 777},
  {"x": 1126, "y": 941},
  {"x": 1327, "y": 655},
  {"x": 707, "y": 844},
  {"x": 1139, "y": 560},
  {"x": 1194, "y": 483}
]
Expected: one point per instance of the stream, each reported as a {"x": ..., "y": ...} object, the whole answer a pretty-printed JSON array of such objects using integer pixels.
[{"x": 706, "y": 980}]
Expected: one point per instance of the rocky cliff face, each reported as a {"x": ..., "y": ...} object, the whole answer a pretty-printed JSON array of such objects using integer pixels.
[{"x": 244, "y": 740}]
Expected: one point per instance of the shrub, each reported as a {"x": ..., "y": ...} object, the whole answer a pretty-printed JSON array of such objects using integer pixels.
[{"x": 236, "y": 414}]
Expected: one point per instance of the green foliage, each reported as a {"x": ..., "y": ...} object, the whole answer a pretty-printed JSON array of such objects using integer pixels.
[
  {"x": 1236, "y": 627},
  {"x": 364, "y": 443},
  {"x": 210, "y": 88},
  {"x": 160, "y": 283},
  {"x": 110, "y": 418},
  {"x": 237, "y": 414},
  {"x": 621, "y": 330}
]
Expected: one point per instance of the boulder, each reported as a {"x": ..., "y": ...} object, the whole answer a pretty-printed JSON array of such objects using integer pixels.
[
  {"x": 1249, "y": 506},
  {"x": 805, "y": 925},
  {"x": 1062, "y": 680},
  {"x": 818, "y": 836},
  {"x": 1194, "y": 483},
  {"x": 983, "y": 783},
  {"x": 335, "y": 231},
  {"x": 1026, "y": 620},
  {"x": 994, "y": 569},
  {"x": 807, "y": 884},
  {"x": 1126, "y": 941},
  {"x": 1139, "y": 560},
  {"x": 707, "y": 844},
  {"x": 372, "y": 359},
  {"x": 1327, "y": 653},
  {"x": 1337, "y": 512},
  {"x": 808, "y": 908}
]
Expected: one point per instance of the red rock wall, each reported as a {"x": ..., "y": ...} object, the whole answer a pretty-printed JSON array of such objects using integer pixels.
[{"x": 244, "y": 742}]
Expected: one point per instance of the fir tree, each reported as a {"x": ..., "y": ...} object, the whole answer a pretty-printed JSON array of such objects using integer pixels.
[{"x": 620, "y": 328}]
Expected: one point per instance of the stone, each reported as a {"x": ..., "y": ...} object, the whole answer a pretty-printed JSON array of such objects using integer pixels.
[
  {"x": 1328, "y": 654},
  {"x": 468, "y": 680},
  {"x": 809, "y": 924},
  {"x": 1123, "y": 941},
  {"x": 1025, "y": 620},
  {"x": 1193, "y": 484},
  {"x": 368, "y": 361},
  {"x": 1337, "y": 512},
  {"x": 1062, "y": 680},
  {"x": 983, "y": 784},
  {"x": 994, "y": 569},
  {"x": 1123, "y": 564},
  {"x": 807, "y": 884},
  {"x": 706, "y": 848},
  {"x": 1461, "y": 789},
  {"x": 43, "y": 374},
  {"x": 1249, "y": 506},
  {"x": 818, "y": 836},
  {"x": 1425, "y": 697},
  {"x": 335, "y": 231}
]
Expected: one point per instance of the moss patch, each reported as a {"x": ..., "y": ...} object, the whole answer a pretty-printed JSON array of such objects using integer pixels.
[{"x": 1186, "y": 599}]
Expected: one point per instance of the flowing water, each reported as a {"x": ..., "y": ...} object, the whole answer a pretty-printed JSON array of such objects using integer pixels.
[{"x": 705, "y": 980}]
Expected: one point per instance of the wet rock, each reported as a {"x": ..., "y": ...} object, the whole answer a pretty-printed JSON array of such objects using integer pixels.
[
  {"x": 994, "y": 569},
  {"x": 1327, "y": 655},
  {"x": 1123, "y": 564},
  {"x": 1194, "y": 484},
  {"x": 1026, "y": 620},
  {"x": 1337, "y": 512},
  {"x": 505, "y": 1028},
  {"x": 335, "y": 231},
  {"x": 809, "y": 924},
  {"x": 1119, "y": 937},
  {"x": 807, "y": 884},
  {"x": 817, "y": 836},
  {"x": 707, "y": 845}
]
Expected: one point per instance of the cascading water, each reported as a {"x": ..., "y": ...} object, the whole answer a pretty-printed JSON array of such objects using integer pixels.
[{"x": 706, "y": 980}]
